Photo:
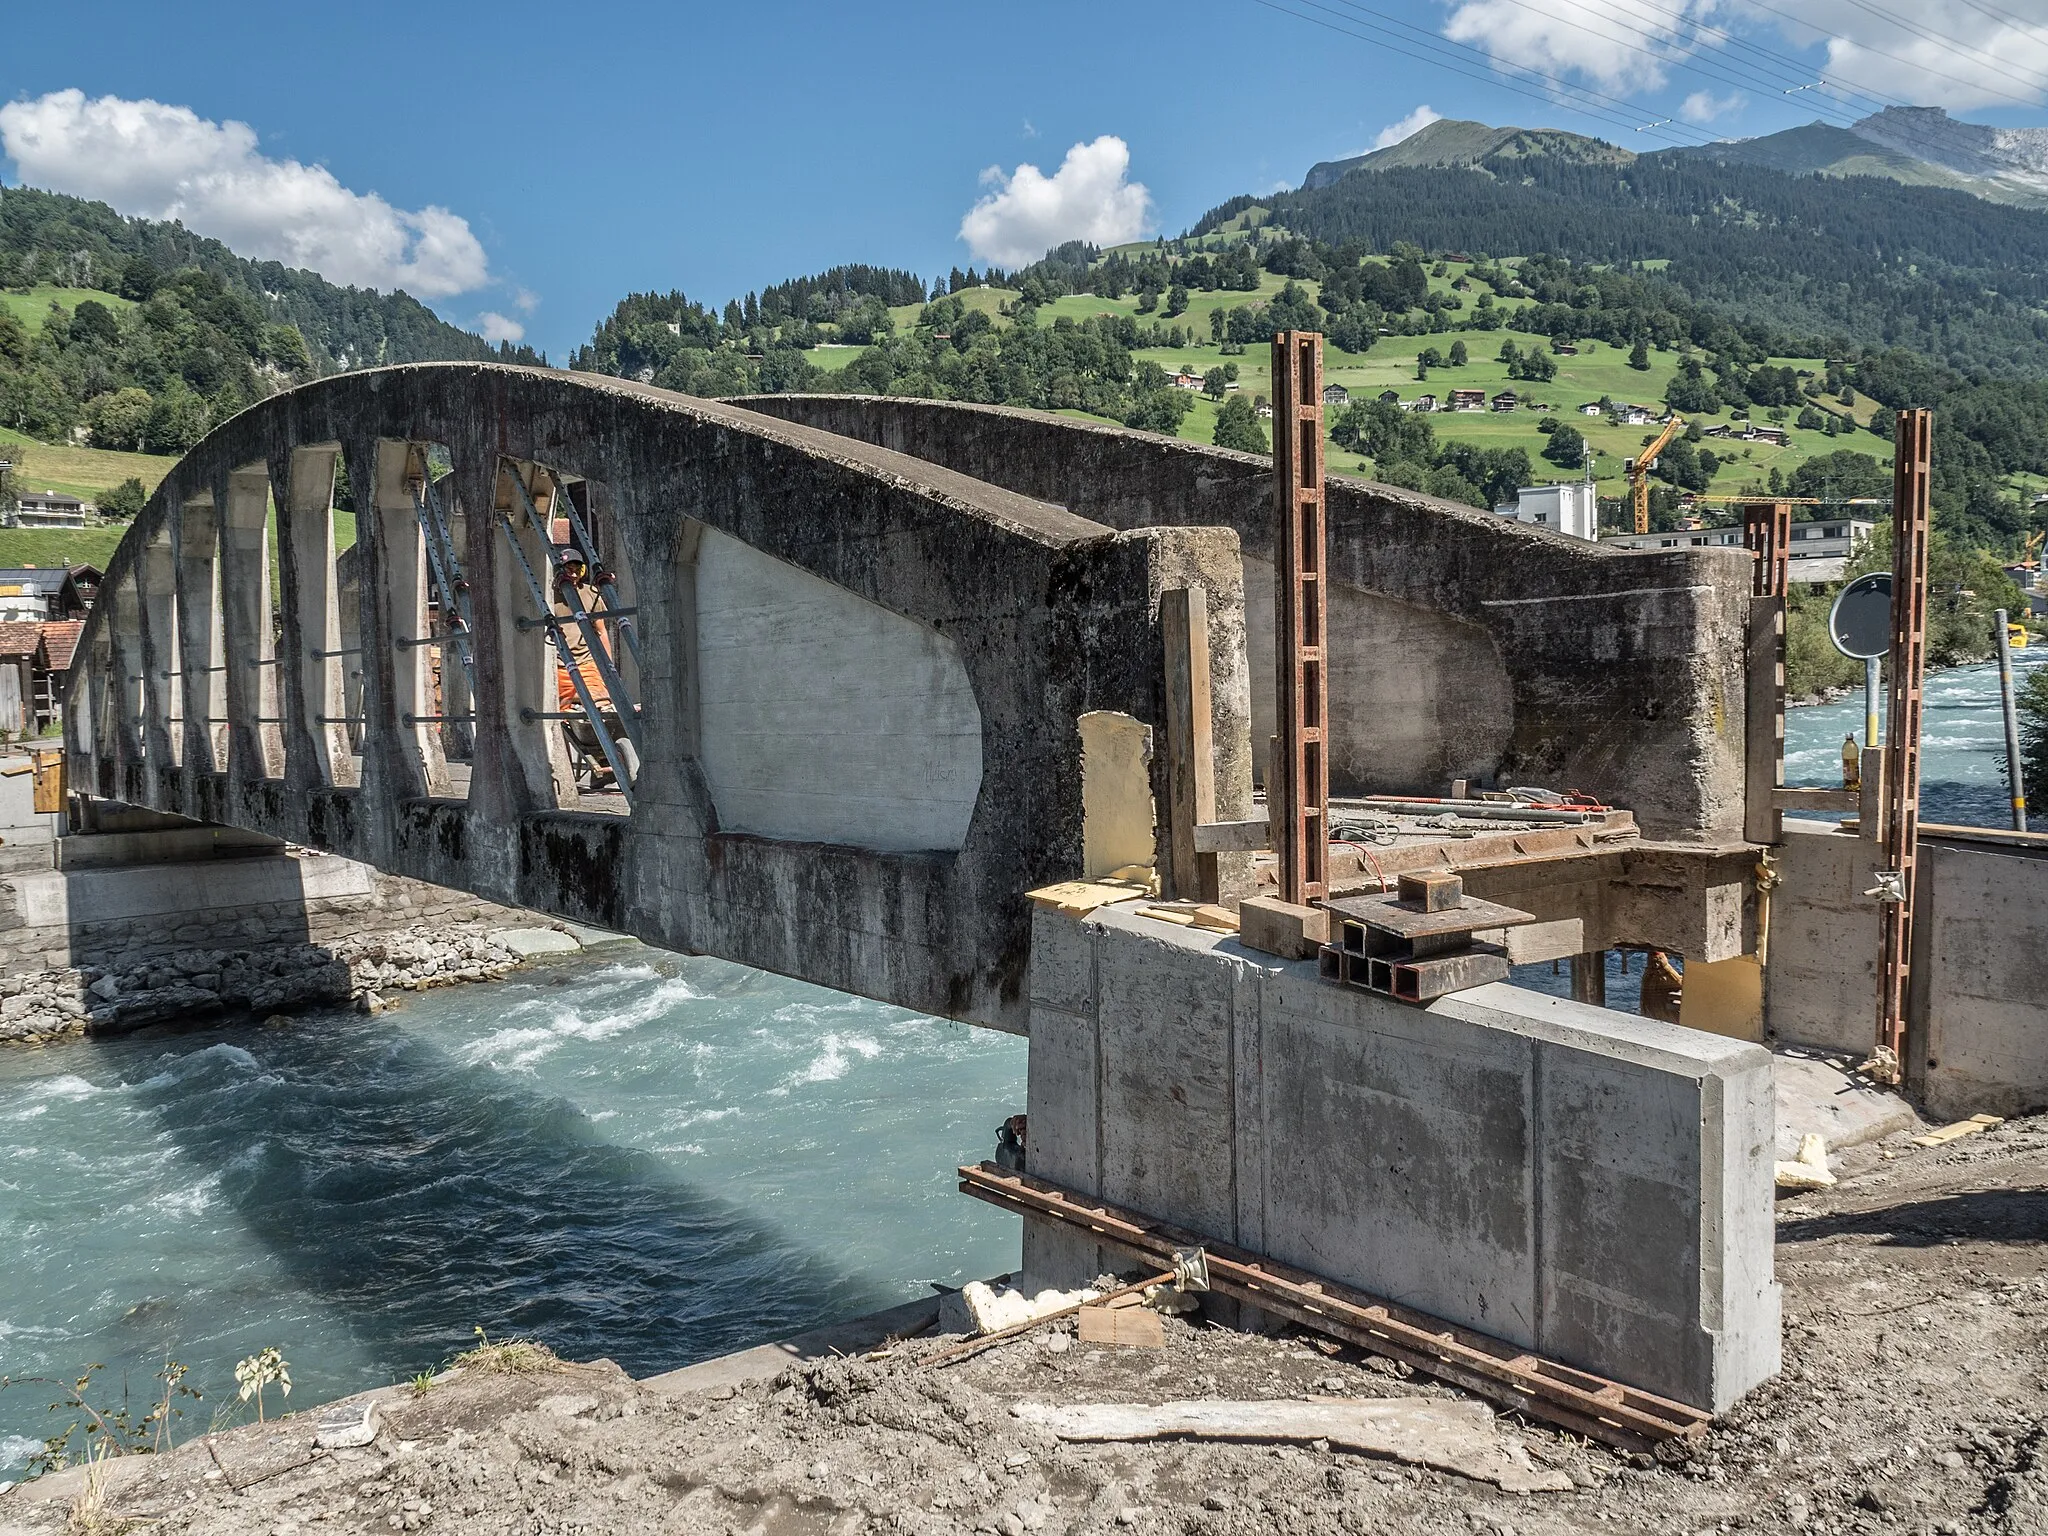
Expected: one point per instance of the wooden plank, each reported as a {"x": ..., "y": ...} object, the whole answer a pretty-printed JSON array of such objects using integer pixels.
[
  {"x": 1764, "y": 737},
  {"x": 1133, "y": 1327},
  {"x": 1870, "y": 812},
  {"x": 1993, "y": 835},
  {"x": 1190, "y": 753}
]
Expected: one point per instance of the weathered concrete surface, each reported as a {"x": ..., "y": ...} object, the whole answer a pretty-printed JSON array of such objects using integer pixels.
[
  {"x": 1979, "y": 1011},
  {"x": 1820, "y": 988},
  {"x": 1586, "y": 1184},
  {"x": 1561, "y": 662},
  {"x": 1050, "y": 616}
]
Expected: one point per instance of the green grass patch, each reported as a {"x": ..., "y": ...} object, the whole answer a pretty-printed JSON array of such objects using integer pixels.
[
  {"x": 58, "y": 547},
  {"x": 32, "y": 307},
  {"x": 83, "y": 472}
]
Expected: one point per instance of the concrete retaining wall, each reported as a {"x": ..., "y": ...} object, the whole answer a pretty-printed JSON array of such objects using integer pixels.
[
  {"x": 1977, "y": 1016},
  {"x": 1979, "y": 1007},
  {"x": 1820, "y": 987},
  {"x": 1576, "y": 1181}
]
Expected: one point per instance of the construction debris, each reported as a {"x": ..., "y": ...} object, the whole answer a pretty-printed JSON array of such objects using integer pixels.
[
  {"x": 1957, "y": 1131},
  {"x": 1449, "y": 1435},
  {"x": 1575, "y": 1400},
  {"x": 1192, "y": 914},
  {"x": 984, "y": 1307},
  {"x": 1810, "y": 1169}
]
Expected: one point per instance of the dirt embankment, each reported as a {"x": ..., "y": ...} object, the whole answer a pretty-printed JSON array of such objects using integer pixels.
[{"x": 1914, "y": 1399}]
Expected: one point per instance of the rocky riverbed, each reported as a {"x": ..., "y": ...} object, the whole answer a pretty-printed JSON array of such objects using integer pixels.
[{"x": 201, "y": 982}]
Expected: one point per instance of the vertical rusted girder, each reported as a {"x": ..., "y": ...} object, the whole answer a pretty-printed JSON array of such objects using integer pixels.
[
  {"x": 1911, "y": 477},
  {"x": 1300, "y": 775},
  {"x": 1767, "y": 534}
]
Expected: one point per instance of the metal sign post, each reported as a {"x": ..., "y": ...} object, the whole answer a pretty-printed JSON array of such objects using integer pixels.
[
  {"x": 1298, "y": 783},
  {"x": 1860, "y": 625},
  {"x": 2015, "y": 780}
]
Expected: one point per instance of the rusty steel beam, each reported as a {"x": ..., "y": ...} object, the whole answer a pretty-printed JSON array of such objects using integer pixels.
[
  {"x": 1519, "y": 1380},
  {"x": 1767, "y": 535},
  {"x": 1912, "y": 475},
  {"x": 1299, "y": 779}
]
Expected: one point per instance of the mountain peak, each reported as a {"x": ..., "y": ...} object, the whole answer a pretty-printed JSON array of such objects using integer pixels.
[
  {"x": 1451, "y": 141},
  {"x": 2017, "y": 157}
]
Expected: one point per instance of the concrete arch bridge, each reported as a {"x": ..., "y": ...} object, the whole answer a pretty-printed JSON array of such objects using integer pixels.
[{"x": 873, "y": 664}]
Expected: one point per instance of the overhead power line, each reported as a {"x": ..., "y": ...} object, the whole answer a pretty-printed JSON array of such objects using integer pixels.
[
  {"x": 1947, "y": 44},
  {"x": 1927, "y": 69},
  {"x": 1714, "y": 70},
  {"x": 1454, "y": 56}
]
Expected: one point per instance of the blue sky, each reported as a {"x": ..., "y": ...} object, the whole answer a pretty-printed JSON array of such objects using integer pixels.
[{"x": 531, "y": 163}]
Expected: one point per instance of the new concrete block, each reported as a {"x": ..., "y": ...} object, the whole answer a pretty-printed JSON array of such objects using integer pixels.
[{"x": 1586, "y": 1184}]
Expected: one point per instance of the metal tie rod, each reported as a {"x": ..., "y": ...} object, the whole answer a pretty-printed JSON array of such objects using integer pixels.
[
  {"x": 412, "y": 719},
  {"x": 595, "y": 613},
  {"x": 426, "y": 505},
  {"x": 593, "y": 636},
  {"x": 540, "y": 602}
]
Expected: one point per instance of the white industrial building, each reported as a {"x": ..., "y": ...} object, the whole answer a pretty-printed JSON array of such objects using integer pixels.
[
  {"x": 1572, "y": 508},
  {"x": 1819, "y": 550}
]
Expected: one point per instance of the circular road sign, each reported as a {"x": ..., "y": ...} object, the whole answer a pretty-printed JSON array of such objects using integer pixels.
[{"x": 1860, "y": 623}]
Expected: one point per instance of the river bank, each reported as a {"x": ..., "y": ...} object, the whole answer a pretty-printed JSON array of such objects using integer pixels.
[
  {"x": 1919, "y": 1411},
  {"x": 106, "y": 950}
]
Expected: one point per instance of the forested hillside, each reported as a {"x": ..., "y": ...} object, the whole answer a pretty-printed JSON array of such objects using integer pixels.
[
  {"x": 1868, "y": 261},
  {"x": 139, "y": 336}
]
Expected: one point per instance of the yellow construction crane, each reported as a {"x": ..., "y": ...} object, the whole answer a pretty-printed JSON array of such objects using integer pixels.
[{"x": 1639, "y": 470}]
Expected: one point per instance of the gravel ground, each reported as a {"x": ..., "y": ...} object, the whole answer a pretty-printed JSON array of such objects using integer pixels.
[{"x": 1914, "y": 1399}]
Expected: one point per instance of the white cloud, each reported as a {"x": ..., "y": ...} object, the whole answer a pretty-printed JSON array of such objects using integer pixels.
[
  {"x": 525, "y": 300},
  {"x": 1947, "y": 53},
  {"x": 1972, "y": 59},
  {"x": 1090, "y": 197},
  {"x": 166, "y": 162},
  {"x": 494, "y": 327},
  {"x": 1408, "y": 127},
  {"x": 1577, "y": 38},
  {"x": 1705, "y": 106}
]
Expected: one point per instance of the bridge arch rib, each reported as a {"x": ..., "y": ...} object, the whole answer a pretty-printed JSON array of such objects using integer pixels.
[
  {"x": 1462, "y": 645},
  {"x": 851, "y": 624}
]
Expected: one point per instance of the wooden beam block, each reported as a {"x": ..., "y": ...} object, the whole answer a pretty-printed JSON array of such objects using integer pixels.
[
  {"x": 1277, "y": 927},
  {"x": 1764, "y": 737},
  {"x": 1436, "y": 890},
  {"x": 1137, "y": 1327}
]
